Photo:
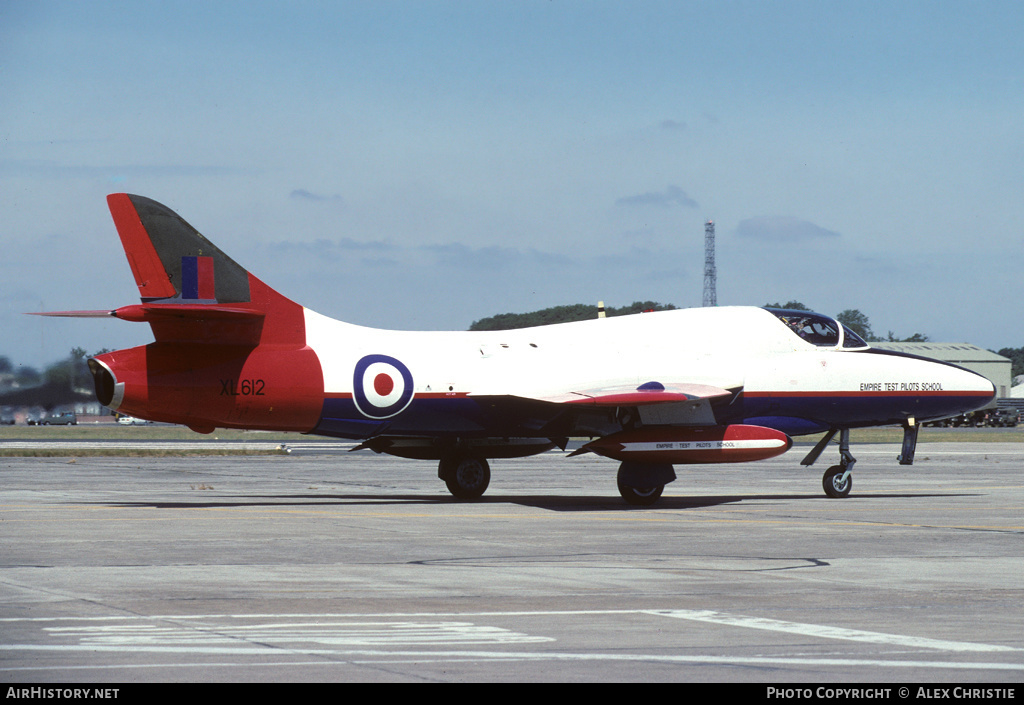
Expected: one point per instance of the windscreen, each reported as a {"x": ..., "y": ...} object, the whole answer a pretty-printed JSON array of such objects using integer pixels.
[{"x": 817, "y": 329}]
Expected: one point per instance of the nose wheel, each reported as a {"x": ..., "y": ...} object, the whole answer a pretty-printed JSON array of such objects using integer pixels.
[{"x": 837, "y": 482}]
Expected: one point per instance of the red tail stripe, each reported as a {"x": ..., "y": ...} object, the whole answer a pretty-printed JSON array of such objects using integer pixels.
[{"x": 146, "y": 266}]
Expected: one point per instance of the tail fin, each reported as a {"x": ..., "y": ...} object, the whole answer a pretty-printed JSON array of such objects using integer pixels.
[
  {"x": 171, "y": 261},
  {"x": 190, "y": 290}
]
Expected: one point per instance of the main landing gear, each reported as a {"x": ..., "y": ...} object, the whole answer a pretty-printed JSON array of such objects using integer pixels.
[
  {"x": 466, "y": 477},
  {"x": 641, "y": 484},
  {"x": 837, "y": 480}
]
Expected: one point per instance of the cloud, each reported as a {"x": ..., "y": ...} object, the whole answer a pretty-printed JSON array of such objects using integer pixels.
[
  {"x": 672, "y": 125},
  {"x": 494, "y": 258},
  {"x": 302, "y": 194},
  {"x": 672, "y": 196},
  {"x": 777, "y": 228},
  {"x": 325, "y": 250},
  {"x": 115, "y": 173}
]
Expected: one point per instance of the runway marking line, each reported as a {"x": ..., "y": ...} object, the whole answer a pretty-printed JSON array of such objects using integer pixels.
[
  {"x": 827, "y": 632},
  {"x": 369, "y": 656},
  {"x": 214, "y": 633}
]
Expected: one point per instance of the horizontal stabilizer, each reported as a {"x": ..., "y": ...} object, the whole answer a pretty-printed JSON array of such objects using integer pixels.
[
  {"x": 148, "y": 313},
  {"x": 75, "y": 314}
]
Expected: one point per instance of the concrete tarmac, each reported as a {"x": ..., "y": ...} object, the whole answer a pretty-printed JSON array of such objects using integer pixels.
[{"x": 360, "y": 567}]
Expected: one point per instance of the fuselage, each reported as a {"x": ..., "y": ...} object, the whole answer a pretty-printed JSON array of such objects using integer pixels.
[
  {"x": 355, "y": 382},
  {"x": 787, "y": 382}
]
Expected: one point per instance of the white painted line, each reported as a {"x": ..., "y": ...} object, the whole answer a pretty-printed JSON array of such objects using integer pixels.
[
  {"x": 160, "y": 631},
  {"x": 257, "y": 637},
  {"x": 442, "y": 656},
  {"x": 825, "y": 632}
]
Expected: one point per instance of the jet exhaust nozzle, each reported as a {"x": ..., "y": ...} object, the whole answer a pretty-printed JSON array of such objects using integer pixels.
[{"x": 109, "y": 392}]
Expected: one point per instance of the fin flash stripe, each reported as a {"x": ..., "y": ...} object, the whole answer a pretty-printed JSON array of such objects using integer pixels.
[{"x": 197, "y": 280}]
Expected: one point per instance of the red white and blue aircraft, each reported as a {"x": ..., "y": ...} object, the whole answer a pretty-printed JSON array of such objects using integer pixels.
[{"x": 702, "y": 385}]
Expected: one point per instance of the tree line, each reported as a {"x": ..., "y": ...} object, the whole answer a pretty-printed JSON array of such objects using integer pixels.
[
  {"x": 561, "y": 314},
  {"x": 852, "y": 318},
  {"x": 72, "y": 371},
  {"x": 1016, "y": 355}
]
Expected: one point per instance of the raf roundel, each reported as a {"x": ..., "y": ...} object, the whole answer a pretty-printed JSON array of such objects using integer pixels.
[{"x": 381, "y": 386}]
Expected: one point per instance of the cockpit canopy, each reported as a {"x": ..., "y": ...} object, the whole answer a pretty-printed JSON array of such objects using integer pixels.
[{"x": 818, "y": 330}]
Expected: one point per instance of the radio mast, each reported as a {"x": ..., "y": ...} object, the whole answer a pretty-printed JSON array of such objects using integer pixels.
[{"x": 710, "y": 273}]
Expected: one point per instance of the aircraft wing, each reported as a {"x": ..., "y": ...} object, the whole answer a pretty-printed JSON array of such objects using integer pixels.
[
  {"x": 656, "y": 403},
  {"x": 644, "y": 395}
]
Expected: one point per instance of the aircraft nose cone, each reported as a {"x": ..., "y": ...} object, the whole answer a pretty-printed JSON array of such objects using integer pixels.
[
  {"x": 965, "y": 390},
  {"x": 985, "y": 387},
  {"x": 933, "y": 389}
]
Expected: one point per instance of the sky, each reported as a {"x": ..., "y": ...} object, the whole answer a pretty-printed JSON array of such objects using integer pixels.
[{"x": 424, "y": 164}]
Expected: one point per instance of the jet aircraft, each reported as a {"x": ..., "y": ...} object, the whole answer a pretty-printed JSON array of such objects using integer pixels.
[{"x": 654, "y": 390}]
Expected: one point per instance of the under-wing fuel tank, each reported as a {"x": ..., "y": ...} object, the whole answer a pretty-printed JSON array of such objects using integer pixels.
[{"x": 735, "y": 443}]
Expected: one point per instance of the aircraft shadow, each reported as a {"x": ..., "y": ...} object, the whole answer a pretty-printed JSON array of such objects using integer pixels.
[
  {"x": 557, "y": 503},
  {"x": 612, "y": 503}
]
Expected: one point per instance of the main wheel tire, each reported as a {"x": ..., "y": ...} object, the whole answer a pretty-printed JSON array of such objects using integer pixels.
[
  {"x": 640, "y": 496},
  {"x": 466, "y": 478},
  {"x": 834, "y": 485}
]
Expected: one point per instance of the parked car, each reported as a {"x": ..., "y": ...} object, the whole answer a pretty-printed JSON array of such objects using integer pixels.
[
  {"x": 1003, "y": 417},
  {"x": 131, "y": 421},
  {"x": 971, "y": 419},
  {"x": 66, "y": 418},
  {"x": 6, "y": 417}
]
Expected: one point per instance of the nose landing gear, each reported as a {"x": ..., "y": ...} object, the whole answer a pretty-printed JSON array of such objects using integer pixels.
[{"x": 837, "y": 480}]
